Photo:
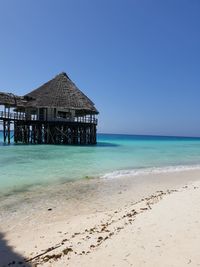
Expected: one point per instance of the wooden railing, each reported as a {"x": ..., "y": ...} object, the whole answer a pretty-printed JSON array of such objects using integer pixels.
[
  {"x": 12, "y": 116},
  {"x": 22, "y": 116}
]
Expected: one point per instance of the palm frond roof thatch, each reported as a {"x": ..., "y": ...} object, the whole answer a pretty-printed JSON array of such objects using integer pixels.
[
  {"x": 60, "y": 92},
  {"x": 11, "y": 100}
]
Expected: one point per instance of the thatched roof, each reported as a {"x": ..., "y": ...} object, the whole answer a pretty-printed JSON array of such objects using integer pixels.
[
  {"x": 11, "y": 100},
  {"x": 60, "y": 92}
]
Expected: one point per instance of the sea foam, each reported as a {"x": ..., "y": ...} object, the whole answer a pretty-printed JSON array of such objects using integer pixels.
[{"x": 147, "y": 171}]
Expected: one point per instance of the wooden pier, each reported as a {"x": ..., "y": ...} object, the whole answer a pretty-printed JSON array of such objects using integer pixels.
[{"x": 33, "y": 131}]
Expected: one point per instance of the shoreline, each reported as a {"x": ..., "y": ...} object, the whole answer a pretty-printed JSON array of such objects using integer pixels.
[
  {"x": 99, "y": 190},
  {"x": 82, "y": 206},
  {"x": 121, "y": 173}
]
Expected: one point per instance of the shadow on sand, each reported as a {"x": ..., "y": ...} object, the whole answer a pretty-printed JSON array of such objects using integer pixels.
[{"x": 8, "y": 257}]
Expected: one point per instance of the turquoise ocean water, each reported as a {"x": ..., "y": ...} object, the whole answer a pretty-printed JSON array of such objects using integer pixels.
[{"x": 23, "y": 166}]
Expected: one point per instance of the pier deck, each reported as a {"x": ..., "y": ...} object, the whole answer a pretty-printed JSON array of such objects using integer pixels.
[{"x": 37, "y": 130}]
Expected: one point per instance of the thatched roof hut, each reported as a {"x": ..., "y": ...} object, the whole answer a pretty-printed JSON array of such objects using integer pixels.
[
  {"x": 60, "y": 92},
  {"x": 55, "y": 113}
]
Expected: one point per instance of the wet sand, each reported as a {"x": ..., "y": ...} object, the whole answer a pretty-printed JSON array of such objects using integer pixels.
[{"x": 87, "y": 223}]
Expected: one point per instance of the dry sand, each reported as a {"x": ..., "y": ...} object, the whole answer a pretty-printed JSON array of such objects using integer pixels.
[{"x": 156, "y": 223}]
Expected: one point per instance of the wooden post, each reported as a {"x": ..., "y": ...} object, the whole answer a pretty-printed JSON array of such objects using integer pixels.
[
  {"x": 4, "y": 131},
  {"x": 8, "y": 130}
]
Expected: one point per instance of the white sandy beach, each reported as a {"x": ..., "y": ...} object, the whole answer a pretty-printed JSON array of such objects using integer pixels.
[{"x": 151, "y": 224}]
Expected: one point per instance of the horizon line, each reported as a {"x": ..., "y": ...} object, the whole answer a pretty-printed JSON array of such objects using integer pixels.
[{"x": 150, "y": 135}]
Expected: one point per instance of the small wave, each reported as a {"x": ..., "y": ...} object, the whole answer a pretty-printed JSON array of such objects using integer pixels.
[{"x": 146, "y": 171}]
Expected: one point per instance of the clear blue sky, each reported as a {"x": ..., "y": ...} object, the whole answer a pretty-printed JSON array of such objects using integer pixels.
[{"x": 138, "y": 60}]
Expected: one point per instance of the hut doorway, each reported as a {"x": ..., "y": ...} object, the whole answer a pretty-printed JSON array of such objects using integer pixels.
[{"x": 42, "y": 114}]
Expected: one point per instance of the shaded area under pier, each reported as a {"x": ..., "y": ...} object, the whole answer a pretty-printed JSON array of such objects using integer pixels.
[{"x": 67, "y": 133}]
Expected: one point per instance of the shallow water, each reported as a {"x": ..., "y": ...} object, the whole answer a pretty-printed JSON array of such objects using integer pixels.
[{"x": 22, "y": 166}]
